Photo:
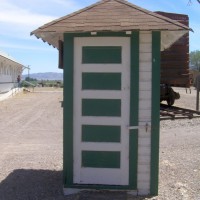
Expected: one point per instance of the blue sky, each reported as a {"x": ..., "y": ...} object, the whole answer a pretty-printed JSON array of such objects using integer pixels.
[{"x": 19, "y": 17}]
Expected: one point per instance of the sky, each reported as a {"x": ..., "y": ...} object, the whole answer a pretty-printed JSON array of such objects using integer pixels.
[{"x": 20, "y": 17}]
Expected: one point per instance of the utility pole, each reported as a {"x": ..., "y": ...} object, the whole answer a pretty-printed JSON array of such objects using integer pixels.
[{"x": 28, "y": 71}]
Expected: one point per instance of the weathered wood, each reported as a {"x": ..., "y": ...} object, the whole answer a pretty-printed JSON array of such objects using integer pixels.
[
  {"x": 112, "y": 15},
  {"x": 175, "y": 60}
]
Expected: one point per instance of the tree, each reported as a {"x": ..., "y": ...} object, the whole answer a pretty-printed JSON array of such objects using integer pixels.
[
  {"x": 30, "y": 79},
  {"x": 190, "y": 1},
  {"x": 195, "y": 59}
]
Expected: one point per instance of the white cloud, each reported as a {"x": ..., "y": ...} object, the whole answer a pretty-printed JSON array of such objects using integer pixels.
[
  {"x": 67, "y": 3},
  {"x": 26, "y": 46},
  {"x": 9, "y": 13},
  {"x": 18, "y": 18}
]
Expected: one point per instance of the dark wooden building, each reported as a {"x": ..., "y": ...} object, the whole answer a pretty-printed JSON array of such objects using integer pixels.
[{"x": 175, "y": 59}]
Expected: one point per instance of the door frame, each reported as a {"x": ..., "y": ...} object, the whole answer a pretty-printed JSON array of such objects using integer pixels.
[{"x": 68, "y": 110}]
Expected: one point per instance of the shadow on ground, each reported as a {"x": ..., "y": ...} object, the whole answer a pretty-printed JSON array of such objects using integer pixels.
[{"x": 25, "y": 184}]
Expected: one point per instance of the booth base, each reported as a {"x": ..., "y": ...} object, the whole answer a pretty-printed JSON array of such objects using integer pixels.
[{"x": 71, "y": 191}]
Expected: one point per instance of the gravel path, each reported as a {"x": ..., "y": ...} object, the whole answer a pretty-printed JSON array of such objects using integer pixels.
[{"x": 31, "y": 152}]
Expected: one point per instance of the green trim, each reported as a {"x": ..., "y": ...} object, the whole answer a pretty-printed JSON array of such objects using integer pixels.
[
  {"x": 68, "y": 111},
  {"x": 68, "y": 182},
  {"x": 99, "y": 34},
  {"x": 101, "y": 159},
  {"x": 101, "y": 187},
  {"x": 101, "y": 81},
  {"x": 101, "y": 107},
  {"x": 94, "y": 133},
  {"x": 155, "y": 115},
  {"x": 101, "y": 54},
  {"x": 134, "y": 106}
]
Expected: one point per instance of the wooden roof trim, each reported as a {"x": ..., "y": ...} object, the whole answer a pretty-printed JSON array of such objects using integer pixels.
[
  {"x": 153, "y": 14},
  {"x": 105, "y": 1}
]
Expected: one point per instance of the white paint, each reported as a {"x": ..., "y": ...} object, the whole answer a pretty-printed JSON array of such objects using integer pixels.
[
  {"x": 145, "y": 67},
  {"x": 97, "y": 175},
  {"x": 93, "y": 33},
  {"x": 101, "y": 120},
  {"x": 101, "y": 146},
  {"x": 101, "y": 68},
  {"x": 128, "y": 32},
  {"x": 145, "y": 91},
  {"x": 101, "y": 94},
  {"x": 145, "y": 191},
  {"x": 145, "y": 126},
  {"x": 145, "y": 37},
  {"x": 144, "y": 104},
  {"x": 11, "y": 93},
  {"x": 102, "y": 176},
  {"x": 145, "y": 95},
  {"x": 145, "y": 48},
  {"x": 146, "y": 57},
  {"x": 9, "y": 70},
  {"x": 144, "y": 142},
  {"x": 144, "y": 86},
  {"x": 145, "y": 77},
  {"x": 169, "y": 37},
  {"x": 144, "y": 160}
]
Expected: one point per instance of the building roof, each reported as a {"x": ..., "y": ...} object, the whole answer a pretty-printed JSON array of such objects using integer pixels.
[
  {"x": 8, "y": 57},
  {"x": 106, "y": 16}
]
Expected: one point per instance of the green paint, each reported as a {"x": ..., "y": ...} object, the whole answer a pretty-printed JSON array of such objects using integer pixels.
[
  {"x": 68, "y": 111},
  {"x": 101, "y": 159},
  {"x": 134, "y": 106},
  {"x": 95, "y": 133},
  {"x": 155, "y": 121},
  {"x": 100, "y": 34},
  {"x": 101, "y": 81},
  {"x": 101, "y": 107},
  {"x": 68, "y": 105},
  {"x": 102, "y": 187},
  {"x": 101, "y": 54}
]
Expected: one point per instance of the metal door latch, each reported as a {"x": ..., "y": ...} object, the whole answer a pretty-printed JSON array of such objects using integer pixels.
[{"x": 146, "y": 126}]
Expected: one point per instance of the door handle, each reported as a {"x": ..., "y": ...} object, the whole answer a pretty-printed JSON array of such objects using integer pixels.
[{"x": 146, "y": 126}]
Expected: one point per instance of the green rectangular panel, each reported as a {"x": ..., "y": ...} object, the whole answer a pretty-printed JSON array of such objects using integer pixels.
[
  {"x": 101, "y": 107},
  {"x": 101, "y": 159},
  {"x": 101, "y": 81},
  {"x": 101, "y": 54},
  {"x": 99, "y": 133}
]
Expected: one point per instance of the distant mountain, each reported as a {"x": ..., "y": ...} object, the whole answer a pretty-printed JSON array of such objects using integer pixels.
[{"x": 45, "y": 76}]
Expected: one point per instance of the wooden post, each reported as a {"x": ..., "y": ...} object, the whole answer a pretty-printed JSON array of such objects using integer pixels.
[{"x": 198, "y": 89}]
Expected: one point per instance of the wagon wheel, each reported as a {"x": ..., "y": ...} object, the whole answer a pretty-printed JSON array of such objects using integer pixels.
[{"x": 170, "y": 101}]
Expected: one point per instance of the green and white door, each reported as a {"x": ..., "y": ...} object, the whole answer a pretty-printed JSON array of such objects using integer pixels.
[{"x": 101, "y": 110}]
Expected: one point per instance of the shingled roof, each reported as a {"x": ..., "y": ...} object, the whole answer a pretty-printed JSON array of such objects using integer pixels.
[{"x": 106, "y": 16}]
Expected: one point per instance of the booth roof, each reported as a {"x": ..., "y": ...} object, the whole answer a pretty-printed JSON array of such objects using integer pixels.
[{"x": 107, "y": 16}]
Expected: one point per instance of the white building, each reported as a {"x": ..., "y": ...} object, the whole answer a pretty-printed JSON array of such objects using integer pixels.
[{"x": 10, "y": 69}]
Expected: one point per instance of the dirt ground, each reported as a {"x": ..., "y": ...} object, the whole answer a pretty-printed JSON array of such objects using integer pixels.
[{"x": 31, "y": 151}]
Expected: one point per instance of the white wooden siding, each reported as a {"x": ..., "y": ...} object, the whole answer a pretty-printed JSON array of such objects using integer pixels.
[{"x": 144, "y": 139}]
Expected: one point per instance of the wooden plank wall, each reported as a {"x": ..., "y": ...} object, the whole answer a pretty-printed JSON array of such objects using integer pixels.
[
  {"x": 144, "y": 139},
  {"x": 175, "y": 60}
]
